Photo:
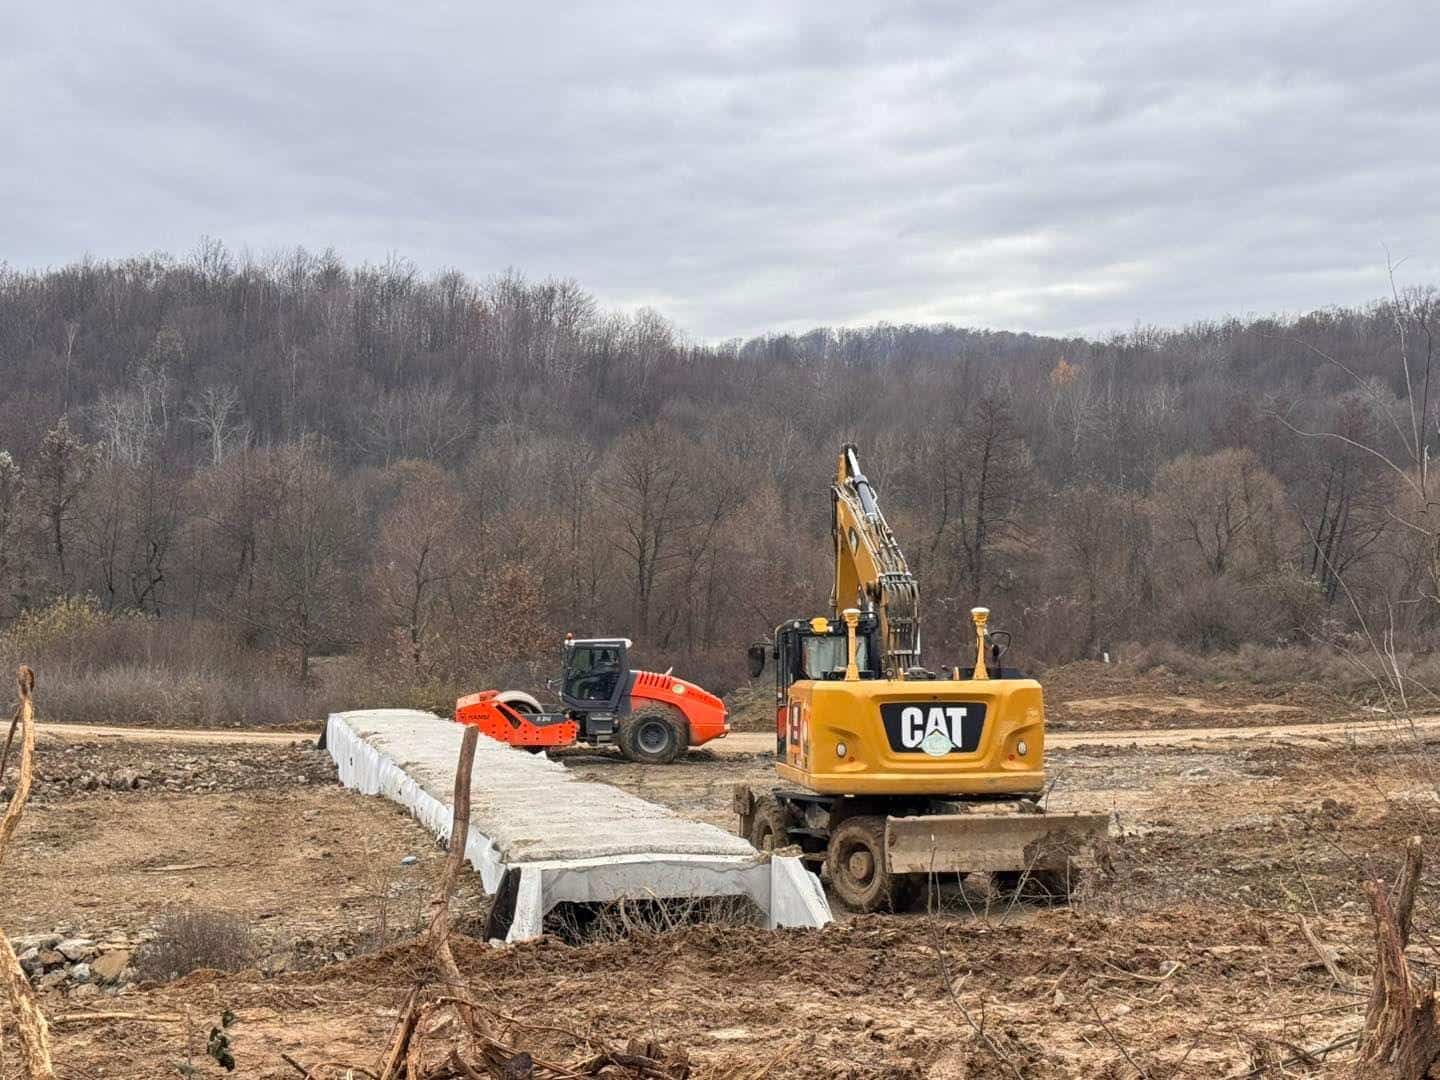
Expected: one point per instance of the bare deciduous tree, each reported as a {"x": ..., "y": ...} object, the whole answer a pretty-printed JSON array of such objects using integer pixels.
[
  {"x": 1217, "y": 510},
  {"x": 418, "y": 543},
  {"x": 63, "y": 469},
  {"x": 217, "y": 413},
  {"x": 306, "y": 547},
  {"x": 651, "y": 497}
]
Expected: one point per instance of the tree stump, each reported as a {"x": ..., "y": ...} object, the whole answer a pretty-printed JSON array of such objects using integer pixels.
[{"x": 1401, "y": 1040}]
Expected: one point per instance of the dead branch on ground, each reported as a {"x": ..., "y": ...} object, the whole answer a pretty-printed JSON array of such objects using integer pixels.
[
  {"x": 1303, "y": 1056},
  {"x": 109, "y": 1017},
  {"x": 1326, "y": 953},
  {"x": 980, "y": 1034},
  {"x": 313, "y": 1072},
  {"x": 1139, "y": 1069},
  {"x": 393, "y": 1060}
]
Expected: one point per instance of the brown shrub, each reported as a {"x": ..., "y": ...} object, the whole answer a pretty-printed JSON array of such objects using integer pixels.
[
  {"x": 1212, "y": 614},
  {"x": 189, "y": 940},
  {"x": 127, "y": 668}
]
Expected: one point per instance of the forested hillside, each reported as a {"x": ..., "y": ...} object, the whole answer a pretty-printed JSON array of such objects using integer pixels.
[{"x": 289, "y": 459}]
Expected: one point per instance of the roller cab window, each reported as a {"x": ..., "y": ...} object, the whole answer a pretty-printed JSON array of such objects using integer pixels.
[{"x": 592, "y": 672}]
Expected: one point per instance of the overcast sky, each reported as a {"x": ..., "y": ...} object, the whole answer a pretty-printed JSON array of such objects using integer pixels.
[{"x": 742, "y": 167}]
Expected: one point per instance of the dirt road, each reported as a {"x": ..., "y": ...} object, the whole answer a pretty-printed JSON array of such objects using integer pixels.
[
  {"x": 757, "y": 742},
  {"x": 749, "y": 743},
  {"x": 213, "y": 736},
  {"x": 1361, "y": 731}
]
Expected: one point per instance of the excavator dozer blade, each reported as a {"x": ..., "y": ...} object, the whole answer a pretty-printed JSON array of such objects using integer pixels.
[{"x": 965, "y": 843}]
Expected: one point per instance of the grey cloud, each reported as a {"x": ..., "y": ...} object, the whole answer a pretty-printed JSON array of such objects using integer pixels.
[{"x": 746, "y": 167}]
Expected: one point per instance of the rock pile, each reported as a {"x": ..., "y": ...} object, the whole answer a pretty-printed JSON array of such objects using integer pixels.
[
  {"x": 79, "y": 966},
  {"x": 84, "y": 768}
]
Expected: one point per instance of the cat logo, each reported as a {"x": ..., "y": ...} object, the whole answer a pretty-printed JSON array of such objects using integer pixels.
[
  {"x": 936, "y": 728},
  {"x": 918, "y": 727}
]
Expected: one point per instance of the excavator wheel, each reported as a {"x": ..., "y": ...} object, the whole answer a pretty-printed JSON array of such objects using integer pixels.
[
  {"x": 651, "y": 739},
  {"x": 771, "y": 828},
  {"x": 855, "y": 862}
]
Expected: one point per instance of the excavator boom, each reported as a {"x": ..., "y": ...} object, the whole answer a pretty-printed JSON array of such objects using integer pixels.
[{"x": 871, "y": 573}]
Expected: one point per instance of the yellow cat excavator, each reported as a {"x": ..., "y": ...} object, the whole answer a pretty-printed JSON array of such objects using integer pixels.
[{"x": 892, "y": 773}]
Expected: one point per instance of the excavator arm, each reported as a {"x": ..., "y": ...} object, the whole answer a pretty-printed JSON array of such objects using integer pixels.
[{"x": 870, "y": 569}]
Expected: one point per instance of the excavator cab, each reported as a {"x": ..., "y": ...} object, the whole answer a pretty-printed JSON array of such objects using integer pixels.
[{"x": 818, "y": 649}]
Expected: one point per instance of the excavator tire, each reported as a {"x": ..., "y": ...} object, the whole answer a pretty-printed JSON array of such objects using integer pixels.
[
  {"x": 651, "y": 738},
  {"x": 771, "y": 828},
  {"x": 855, "y": 862}
]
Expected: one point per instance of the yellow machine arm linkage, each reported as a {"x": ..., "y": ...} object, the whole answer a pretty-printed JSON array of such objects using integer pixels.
[{"x": 870, "y": 569}]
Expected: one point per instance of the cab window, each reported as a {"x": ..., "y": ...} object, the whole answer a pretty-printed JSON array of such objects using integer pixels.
[
  {"x": 592, "y": 672},
  {"x": 823, "y": 656}
]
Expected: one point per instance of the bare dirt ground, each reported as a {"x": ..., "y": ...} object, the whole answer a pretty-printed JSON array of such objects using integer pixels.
[
  {"x": 1187, "y": 959},
  {"x": 84, "y": 732},
  {"x": 1091, "y": 696},
  {"x": 266, "y": 835},
  {"x": 1087, "y": 696}
]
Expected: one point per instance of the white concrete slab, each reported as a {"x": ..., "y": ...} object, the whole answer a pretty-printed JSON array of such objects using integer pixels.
[{"x": 570, "y": 839}]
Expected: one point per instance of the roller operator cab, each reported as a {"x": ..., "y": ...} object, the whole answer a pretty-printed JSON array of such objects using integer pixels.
[
  {"x": 652, "y": 716},
  {"x": 879, "y": 736}
]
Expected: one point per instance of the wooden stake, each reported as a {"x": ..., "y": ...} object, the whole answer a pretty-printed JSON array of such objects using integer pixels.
[
  {"x": 403, "y": 1055},
  {"x": 34, "y": 1034},
  {"x": 25, "y": 719},
  {"x": 439, "y": 931}
]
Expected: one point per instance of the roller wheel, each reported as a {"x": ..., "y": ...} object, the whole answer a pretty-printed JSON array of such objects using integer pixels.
[
  {"x": 771, "y": 828},
  {"x": 651, "y": 739},
  {"x": 855, "y": 861},
  {"x": 525, "y": 708}
]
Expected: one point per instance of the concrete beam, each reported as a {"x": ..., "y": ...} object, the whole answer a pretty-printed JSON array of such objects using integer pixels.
[{"x": 569, "y": 839}]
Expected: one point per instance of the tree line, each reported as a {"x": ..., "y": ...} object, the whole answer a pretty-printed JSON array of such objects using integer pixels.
[{"x": 451, "y": 473}]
